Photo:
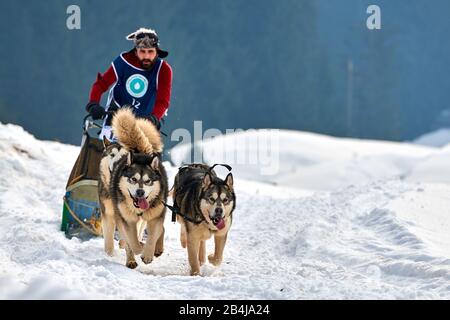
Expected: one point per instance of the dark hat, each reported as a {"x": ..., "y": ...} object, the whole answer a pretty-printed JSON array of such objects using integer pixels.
[{"x": 147, "y": 38}]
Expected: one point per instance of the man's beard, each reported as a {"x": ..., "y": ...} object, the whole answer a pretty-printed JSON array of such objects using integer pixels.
[{"x": 147, "y": 63}]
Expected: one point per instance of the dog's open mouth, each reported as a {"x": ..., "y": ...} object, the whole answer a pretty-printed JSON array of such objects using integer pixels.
[
  {"x": 218, "y": 222},
  {"x": 140, "y": 202}
]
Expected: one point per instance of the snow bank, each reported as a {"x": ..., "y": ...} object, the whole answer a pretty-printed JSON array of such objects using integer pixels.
[
  {"x": 438, "y": 138},
  {"x": 306, "y": 160},
  {"x": 435, "y": 168}
]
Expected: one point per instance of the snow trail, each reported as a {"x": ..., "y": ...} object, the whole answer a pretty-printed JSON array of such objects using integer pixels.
[{"x": 378, "y": 239}]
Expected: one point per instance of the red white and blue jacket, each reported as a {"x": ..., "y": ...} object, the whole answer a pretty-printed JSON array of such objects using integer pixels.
[{"x": 147, "y": 90}]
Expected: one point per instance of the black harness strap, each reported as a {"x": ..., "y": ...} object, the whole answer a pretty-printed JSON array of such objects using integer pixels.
[
  {"x": 220, "y": 164},
  {"x": 176, "y": 210}
]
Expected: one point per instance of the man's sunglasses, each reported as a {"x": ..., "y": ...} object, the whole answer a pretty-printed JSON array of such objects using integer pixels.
[{"x": 153, "y": 38}]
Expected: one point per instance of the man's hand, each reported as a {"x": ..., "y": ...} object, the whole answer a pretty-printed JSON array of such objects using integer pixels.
[
  {"x": 95, "y": 110},
  {"x": 153, "y": 119}
]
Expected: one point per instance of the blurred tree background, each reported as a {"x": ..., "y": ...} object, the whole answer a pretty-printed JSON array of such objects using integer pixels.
[{"x": 296, "y": 64}]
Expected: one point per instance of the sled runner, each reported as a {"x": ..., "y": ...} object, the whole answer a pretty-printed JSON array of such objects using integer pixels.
[{"x": 81, "y": 210}]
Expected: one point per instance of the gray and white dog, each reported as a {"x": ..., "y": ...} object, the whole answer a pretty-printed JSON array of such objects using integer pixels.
[{"x": 137, "y": 186}]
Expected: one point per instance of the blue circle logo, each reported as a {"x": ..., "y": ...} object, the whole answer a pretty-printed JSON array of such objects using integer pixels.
[{"x": 137, "y": 85}]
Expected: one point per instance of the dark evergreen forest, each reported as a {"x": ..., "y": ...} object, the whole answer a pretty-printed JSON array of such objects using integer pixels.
[{"x": 308, "y": 65}]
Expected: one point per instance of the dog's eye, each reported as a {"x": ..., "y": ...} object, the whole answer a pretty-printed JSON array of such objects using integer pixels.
[
  {"x": 149, "y": 182},
  {"x": 133, "y": 180},
  {"x": 225, "y": 200},
  {"x": 211, "y": 199}
]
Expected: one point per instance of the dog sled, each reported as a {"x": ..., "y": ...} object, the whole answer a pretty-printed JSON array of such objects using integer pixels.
[{"x": 81, "y": 209}]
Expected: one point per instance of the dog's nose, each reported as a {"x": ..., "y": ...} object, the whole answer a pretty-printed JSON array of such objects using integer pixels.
[
  {"x": 140, "y": 193},
  {"x": 218, "y": 211}
]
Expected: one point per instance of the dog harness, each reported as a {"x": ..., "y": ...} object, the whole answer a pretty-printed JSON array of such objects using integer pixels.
[{"x": 175, "y": 209}]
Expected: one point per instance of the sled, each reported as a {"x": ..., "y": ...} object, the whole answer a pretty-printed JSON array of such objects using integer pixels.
[{"x": 81, "y": 209}]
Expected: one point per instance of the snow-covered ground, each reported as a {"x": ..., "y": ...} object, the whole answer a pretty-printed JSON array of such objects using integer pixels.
[{"x": 342, "y": 219}]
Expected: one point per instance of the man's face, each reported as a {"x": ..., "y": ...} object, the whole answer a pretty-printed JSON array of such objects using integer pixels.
[{"x": 146, "y": 56}]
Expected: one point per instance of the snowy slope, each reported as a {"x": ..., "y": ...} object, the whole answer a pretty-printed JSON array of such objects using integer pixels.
[
  {"x": 376, "y": 235},
  {"x": 308, "y": 160},
  {"x": 437, "y": 138},
  {"x": 435, "y": 168}
]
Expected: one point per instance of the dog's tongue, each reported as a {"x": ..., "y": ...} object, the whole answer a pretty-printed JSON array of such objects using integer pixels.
[
  {"x": 143, "y": 203},
  {"x": 219, "y": 223}
]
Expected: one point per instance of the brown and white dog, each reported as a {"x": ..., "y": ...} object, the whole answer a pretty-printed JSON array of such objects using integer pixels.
[{"x": 205, "y": 204}]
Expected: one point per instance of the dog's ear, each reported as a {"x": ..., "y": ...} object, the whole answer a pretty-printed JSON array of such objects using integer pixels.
[
  {"x": 130, "y": 158},
  {"x": 206, "y": 181},
  {"x": 155, "y": 163},
  {"x": 229, "y": 181},
  {"x": 106, "y": 142}
]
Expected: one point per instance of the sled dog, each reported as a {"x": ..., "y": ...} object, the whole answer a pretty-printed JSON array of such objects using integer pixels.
[
  {"x": 112, "y": 152},
  {"x": 133, "y": 184},
  {"x": 205, "y": 204}
]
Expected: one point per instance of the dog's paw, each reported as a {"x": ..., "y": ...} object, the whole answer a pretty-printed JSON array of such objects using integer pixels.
[
  {"x": 195, "y": 272},
  {"x": 212, "y": 259},
  {"x": 132, "y": 264},
  {"x": 158, "y": 253},
  {"x": 146, "y": 260}
]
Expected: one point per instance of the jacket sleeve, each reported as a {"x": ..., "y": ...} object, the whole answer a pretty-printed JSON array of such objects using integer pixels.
[
  {"x": 164, "y": 90},
  {"x": 101, "y": 84}
]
